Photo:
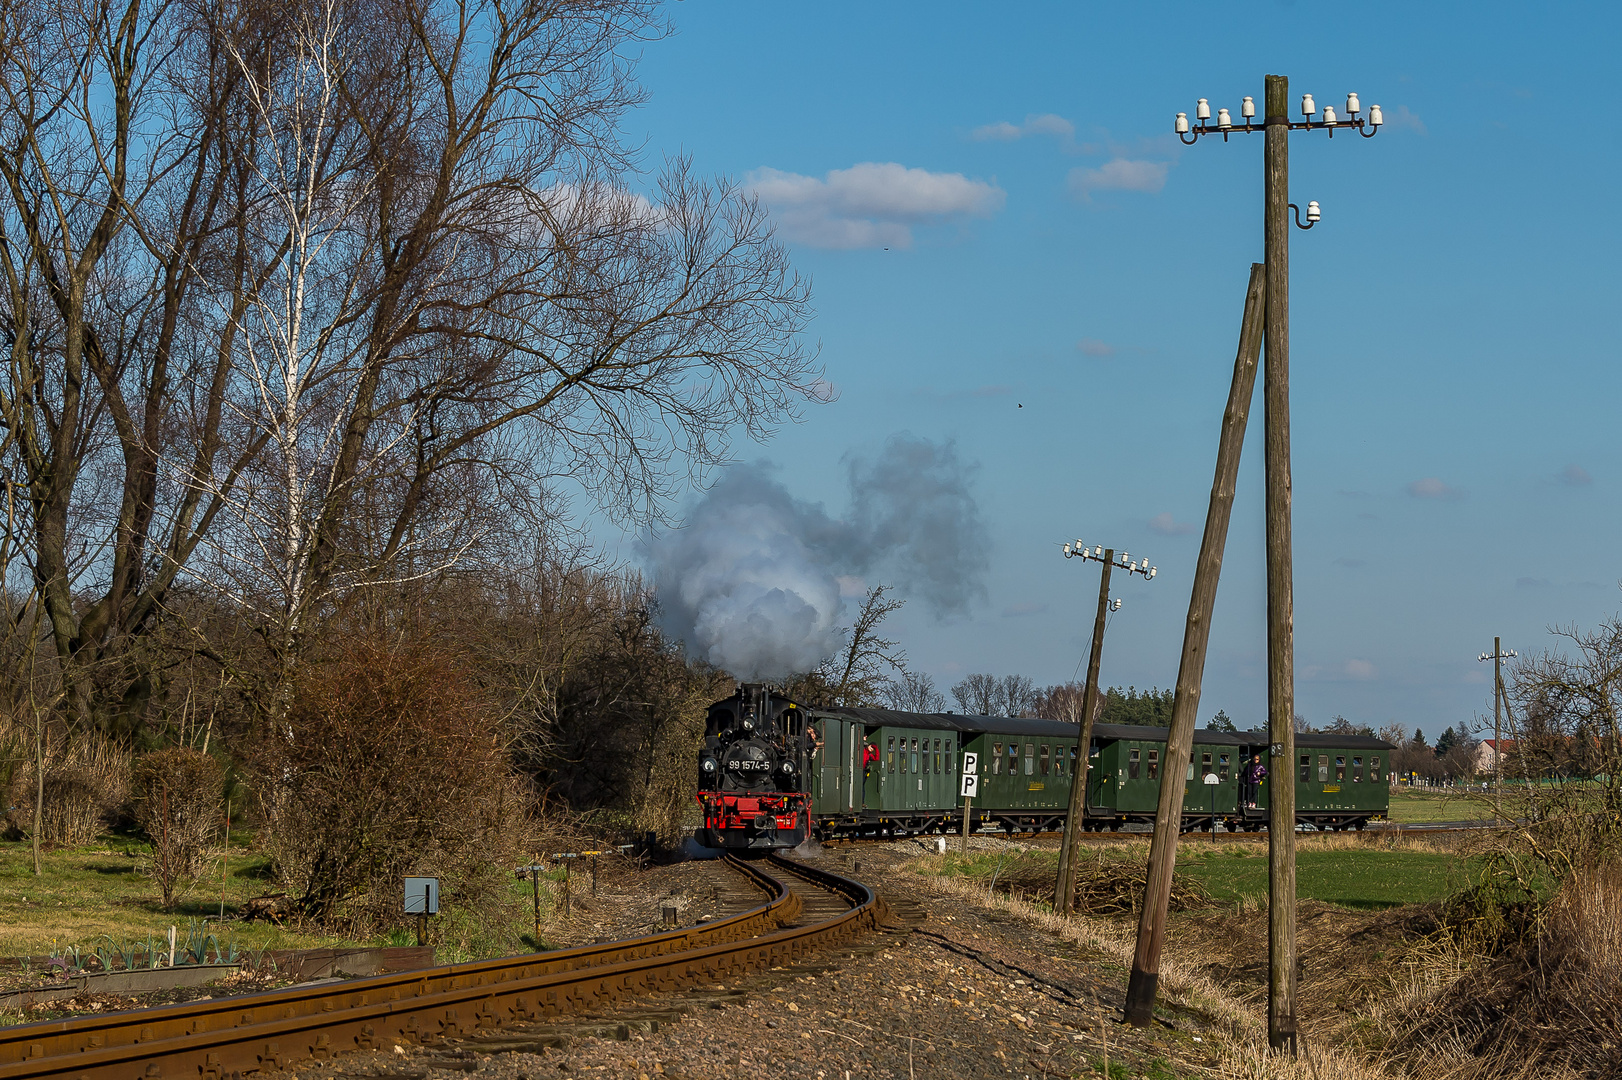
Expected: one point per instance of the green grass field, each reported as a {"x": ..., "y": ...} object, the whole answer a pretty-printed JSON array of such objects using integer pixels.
[
  {"x": 1420, "y": 805},
  {"x": 1359, "y": 878},
  {"x": 1343, "y": 871},
  {"x": 85, "y": 893}
]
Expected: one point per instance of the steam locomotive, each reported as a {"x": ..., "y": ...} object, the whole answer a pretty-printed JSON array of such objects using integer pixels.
[{"x": 751, "y": 772}]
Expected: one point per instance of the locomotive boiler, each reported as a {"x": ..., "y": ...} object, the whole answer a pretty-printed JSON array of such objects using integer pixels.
[{"x": 752, "y": 770}]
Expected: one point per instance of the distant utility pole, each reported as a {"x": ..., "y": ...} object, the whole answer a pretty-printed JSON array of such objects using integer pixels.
[
  {"x": 1140, "y": 992},
  {"x": 1281, "y": 1021},
  {"x": 1064, "y": 886},
  {"x": 1498, "y": 656}
]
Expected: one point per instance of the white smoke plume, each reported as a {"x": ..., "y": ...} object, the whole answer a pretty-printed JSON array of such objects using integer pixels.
[{"x": 750, "y": 582}]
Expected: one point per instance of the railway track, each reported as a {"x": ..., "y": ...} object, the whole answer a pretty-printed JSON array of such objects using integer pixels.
[{"x": 804, "y": 910}]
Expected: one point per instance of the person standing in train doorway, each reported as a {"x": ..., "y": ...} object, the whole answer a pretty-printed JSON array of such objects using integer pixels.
[
  {"x": 870, "y": 755},
  {"x": 1255, "y": 773}
]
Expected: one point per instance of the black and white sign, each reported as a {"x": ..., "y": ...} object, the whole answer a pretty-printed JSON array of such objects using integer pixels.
[
  {"x": 971, "y": 785},
  {"x": 1211, "y": 779},
  {"x": 971, "y": 763}
]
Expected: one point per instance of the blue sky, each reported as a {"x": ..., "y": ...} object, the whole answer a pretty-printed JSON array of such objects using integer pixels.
[{"x": 1051, "y": 246}]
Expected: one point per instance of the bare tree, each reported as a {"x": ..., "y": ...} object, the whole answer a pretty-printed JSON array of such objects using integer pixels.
[
  {"x": 979, "y": 694},
  {"x": 1566, "y": 721},
  {"x": 1063, "y": 702},
  {"x": 913, "y": 691},
  {"x": 326, "y": 292},
  {"x": 1017, "y": 696}
]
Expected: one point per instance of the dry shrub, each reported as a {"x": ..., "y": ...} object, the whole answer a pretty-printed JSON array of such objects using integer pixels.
[
  {"x": 389, "y": 765},
  {"x": 86, "y": 780},
  {"x": 178, "y": 795}
]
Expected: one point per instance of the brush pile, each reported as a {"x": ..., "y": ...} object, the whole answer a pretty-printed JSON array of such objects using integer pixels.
[{"x": 1106, "y": 884}]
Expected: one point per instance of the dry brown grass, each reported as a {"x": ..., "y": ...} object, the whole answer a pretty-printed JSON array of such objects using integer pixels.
[
  {"x": 1549, "y": 1007},
  {"x": 86, "y": 781}
]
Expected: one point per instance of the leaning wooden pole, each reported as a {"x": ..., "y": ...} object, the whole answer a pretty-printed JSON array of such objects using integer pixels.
[
  {"x": 1280, "y": 578},
  {"x": 1140, "y": 992},
  {"x": 1064, "y": 891}
]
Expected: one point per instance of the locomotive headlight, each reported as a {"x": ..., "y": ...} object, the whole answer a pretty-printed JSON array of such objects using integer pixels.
[
  {"x": 708, "y": 764},
  {"x": 748, "y": 724},
  {"x": 788, "y": 768}
]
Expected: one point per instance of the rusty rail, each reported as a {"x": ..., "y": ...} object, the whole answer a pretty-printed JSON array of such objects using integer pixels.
[{"x": 221, "y": 1037}]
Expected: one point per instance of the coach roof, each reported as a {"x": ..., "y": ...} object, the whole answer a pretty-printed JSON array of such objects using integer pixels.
[{"x": 1058, "y": 729}]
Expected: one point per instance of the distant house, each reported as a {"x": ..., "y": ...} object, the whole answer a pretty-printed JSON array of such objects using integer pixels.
[{"x": 1489, "y": 751}]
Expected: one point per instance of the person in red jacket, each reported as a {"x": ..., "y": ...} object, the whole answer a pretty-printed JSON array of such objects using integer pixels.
[{"x": 870, "y": 755}]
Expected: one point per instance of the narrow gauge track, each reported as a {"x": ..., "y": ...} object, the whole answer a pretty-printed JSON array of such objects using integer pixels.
[{"x": 807, "y": 909}]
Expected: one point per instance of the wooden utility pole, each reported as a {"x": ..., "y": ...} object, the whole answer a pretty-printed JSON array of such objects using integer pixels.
[
  {"x": 1064, "y": 891},
  {"x": 1497, "y": 731},
  {"x": 1140, "y": 993},
  {"x": 1499, "y": 703},
  {"x": 1280, "y": 578}
]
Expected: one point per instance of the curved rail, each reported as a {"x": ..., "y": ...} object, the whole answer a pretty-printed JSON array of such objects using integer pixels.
[{"x": 220, "y": 1037}]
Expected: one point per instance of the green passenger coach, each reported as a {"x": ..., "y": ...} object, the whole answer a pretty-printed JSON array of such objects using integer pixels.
[{"x": 890, "y": 773}]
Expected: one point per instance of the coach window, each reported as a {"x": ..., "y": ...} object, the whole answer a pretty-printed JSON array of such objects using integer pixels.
[
  {"x": 1374, "y": 770},
  {"x": 1323, "y": 768},
  {"x": 1030, "y": 759},
  {"x": 937, "y": 757},
  {"x": 996, "y": 759},
  {"x": 1190, "y": 775},
  {"x": 1340, "y": 769},
  {"x": 1357, "y": 770},
  {"x": 1205, "y": 766},
  {"x": 1013, "y": 759},
  {"x": 1132, "y": 765},
  {"x": 1222, "y": 767},
  {"x": 890, "y": 754},
  {"x": 915, "y": 767},
  {"x": 1306, "y": 767},
  {"x": 1046, "y": 764},
  {"x": 1154, "y": 764},
  {"x": 951, "y": 762}
]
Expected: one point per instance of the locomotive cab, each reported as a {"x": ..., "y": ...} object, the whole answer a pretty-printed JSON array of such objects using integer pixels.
[{"x": 751, "y": 771}]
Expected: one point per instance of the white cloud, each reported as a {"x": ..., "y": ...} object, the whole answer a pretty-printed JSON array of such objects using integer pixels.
[
  {"x": 1358, "y": 669},
  {"x": 871, "y": 204},
  {"x": 1355, "y": 669},
  {"x": 1119, "y": 174},
  {"x": 1432, "y": 488},
  {"x": 1406, "y": 119},
  {"x": 1035, "y": 124},
  {"x": 1576, "y": 476},
  {"x": 850, "y": 586},
  {"x": 1094, "y": 347},
  {"x": 1166, "y": 525}
]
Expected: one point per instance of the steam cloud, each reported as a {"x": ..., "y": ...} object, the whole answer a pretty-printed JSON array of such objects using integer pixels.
[{"x": 750, "y": 583}]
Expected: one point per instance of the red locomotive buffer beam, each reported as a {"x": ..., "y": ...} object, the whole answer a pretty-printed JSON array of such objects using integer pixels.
[{"x": 755, "y": 820}]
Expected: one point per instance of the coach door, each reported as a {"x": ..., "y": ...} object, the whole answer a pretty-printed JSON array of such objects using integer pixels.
[
  {"x": 831, "y": 767},
  {"x": 871, "y": 773}
]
